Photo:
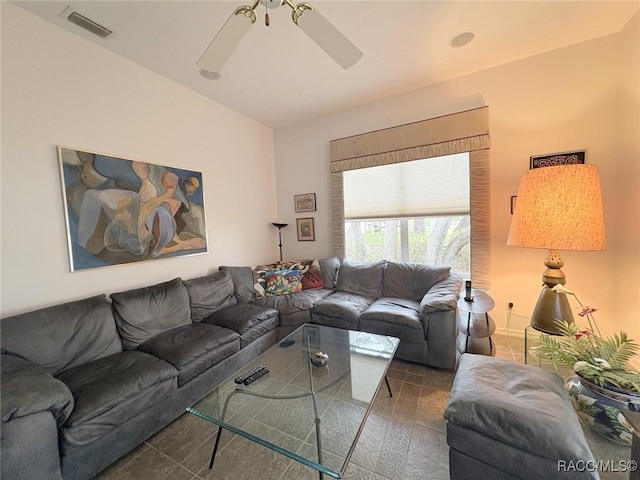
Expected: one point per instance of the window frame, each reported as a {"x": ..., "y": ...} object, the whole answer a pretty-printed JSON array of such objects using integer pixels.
[{"x": 461, "y": 132}]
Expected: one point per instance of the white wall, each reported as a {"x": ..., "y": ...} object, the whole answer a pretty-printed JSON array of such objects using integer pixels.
[
  {"x": 58, "y": 89},
  {"x": 558, "y": 101},
  {"x": 627, "y": 213}
]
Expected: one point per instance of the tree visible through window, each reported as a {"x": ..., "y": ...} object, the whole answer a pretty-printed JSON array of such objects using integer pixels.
[{"x": 418, "y": 212}]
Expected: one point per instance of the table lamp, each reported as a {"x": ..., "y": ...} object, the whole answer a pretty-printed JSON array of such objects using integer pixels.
[
  {"x": 279, "y": 225},
  {"x": 558, "y": 208}
]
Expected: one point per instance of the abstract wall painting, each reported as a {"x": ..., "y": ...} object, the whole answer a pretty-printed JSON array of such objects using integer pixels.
[{"x": 121, "y": 211}]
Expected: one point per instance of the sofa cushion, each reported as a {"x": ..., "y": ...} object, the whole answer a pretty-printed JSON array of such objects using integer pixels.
[
  {"x": 329, "y": 269},
  {"x": 242, "y": 282},
  {"x": 209, "y": 294},
  {"x": 411, "y": 280},
  {"x": 248, "y": 320},
  {"x": 303, "y": 300},
  {"x": 27, "y": 389},
  {"x": 192, "y": 348},
  {"x": 396, "y": 317},
  {"x": 342, "y": 310},
  {"x": 145, "y": 312},
  {"x": 361, "y": 278},
  {"x": 63, "y": 336},
  {"x": 111, "y": 390},
  {"x": 282, "y": 282}
]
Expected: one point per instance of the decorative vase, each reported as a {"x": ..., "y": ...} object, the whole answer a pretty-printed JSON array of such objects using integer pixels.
[{"x": 600, "y": 408}]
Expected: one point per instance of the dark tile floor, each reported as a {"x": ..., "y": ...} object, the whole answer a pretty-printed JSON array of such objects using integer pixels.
[{"x": 403, "y": 439}]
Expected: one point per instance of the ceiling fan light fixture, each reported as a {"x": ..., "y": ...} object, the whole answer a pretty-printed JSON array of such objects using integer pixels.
[
  {"x": 461, "y": 39},
  {"x": 272, "y": 3},
  {"x": 309, "y": 20}
]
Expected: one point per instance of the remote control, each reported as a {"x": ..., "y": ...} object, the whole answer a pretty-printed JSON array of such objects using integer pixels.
[
  {"x": 252, "y": 378},
  {"x": 253, "y": 371}
]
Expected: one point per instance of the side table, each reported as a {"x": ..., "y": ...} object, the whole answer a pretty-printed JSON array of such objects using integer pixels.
[{"x": 475, "y": 325}]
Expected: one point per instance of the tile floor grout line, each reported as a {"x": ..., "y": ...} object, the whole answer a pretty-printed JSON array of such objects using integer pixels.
[{"x": 177, "y": 464}]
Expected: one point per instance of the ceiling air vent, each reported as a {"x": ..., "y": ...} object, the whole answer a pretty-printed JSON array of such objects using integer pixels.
[{"x": 89, "y": 25}]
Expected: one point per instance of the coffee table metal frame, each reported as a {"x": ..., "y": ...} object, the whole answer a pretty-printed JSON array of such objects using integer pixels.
[{"x": 313, "y": 392}]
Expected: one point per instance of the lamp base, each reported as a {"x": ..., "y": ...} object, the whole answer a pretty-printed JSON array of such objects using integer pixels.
[{"x": 551, "y": 306}]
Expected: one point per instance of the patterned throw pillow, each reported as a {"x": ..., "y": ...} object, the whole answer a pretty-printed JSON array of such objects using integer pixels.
[
  {"x": 311, "y": 274},
  {"x": 283, "y": 282},
  {"x": 259, "y": 278}
]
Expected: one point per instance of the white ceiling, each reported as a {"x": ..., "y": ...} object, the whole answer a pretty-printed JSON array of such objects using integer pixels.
[{"x": 278, "y": 76}]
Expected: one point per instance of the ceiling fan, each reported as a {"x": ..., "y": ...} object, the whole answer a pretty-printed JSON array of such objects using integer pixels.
[{"x": 321, "y": 31}]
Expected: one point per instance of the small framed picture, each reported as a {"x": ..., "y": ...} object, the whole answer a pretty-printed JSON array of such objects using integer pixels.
[
  {"x": 554, "y": 159},
  {"x": 514, "y": 198},
  {"x": 306, "y": 230},
  {"x": 305, "y": 202}
]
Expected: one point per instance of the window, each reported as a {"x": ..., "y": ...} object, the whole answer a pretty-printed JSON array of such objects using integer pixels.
[
  {"x": 415, "y": 211},
  {"x": 451, "y": 134}
]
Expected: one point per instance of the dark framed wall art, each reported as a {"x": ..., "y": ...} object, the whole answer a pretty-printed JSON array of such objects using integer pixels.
[
  {"x": 306, "y": 230},
  {"x": 563, "y": 158},
  {"x": 122, "y": 211},
  {"x": 305, "y": 202}
]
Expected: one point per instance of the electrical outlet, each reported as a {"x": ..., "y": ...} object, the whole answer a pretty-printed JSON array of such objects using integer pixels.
[{"x": 510, "y": 305}]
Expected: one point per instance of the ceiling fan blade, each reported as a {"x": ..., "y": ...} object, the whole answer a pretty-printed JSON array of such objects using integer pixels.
[
  {"x": 225, "y": 42},
  {"x": 328, "y": 37}
]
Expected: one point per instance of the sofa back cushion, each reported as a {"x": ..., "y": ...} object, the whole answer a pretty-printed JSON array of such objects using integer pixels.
[
  {"x": 209, "y": 294},
  {"x": 63, "y": 336},
  {"x": 329, "y": 268},
  {"x": 361, "y": 278},
  {"x": 145, "y": 312},
  {"x": 242, "y": 282},
  {"x": 411, "y": 280}
]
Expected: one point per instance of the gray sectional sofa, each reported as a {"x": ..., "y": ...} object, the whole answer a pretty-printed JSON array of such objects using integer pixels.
[
  {"x": 414, "y": 302},
  {"x": 85, "y": 382}
]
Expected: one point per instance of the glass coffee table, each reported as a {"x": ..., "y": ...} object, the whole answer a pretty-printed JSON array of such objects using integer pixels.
[{"x": 311, "y": 414}]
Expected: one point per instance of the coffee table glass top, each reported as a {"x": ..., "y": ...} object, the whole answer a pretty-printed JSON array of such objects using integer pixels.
[{"x": 312, "y": 414}]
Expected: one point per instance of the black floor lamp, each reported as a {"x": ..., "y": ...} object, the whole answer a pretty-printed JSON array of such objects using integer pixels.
[{"x": 279, "y": 226}]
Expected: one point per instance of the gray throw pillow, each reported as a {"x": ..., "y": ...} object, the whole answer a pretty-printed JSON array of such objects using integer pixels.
[
  {"x": 361, "y": 278},
  {"x": 145, "y": 312},
  {"x": 209, "y": 294}
]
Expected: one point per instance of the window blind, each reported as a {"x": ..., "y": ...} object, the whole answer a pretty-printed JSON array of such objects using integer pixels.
[{"x": 421, "y": 188}]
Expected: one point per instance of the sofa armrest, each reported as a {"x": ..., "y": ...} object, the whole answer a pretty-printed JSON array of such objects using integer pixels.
[
  {"x": 438, "y": 311},
  {"x": 28, "y": 389},
  {"x": 443, "y": 296}
]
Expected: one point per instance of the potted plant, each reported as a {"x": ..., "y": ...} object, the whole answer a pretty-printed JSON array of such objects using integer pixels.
[{"x": 603, "y": 384}]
